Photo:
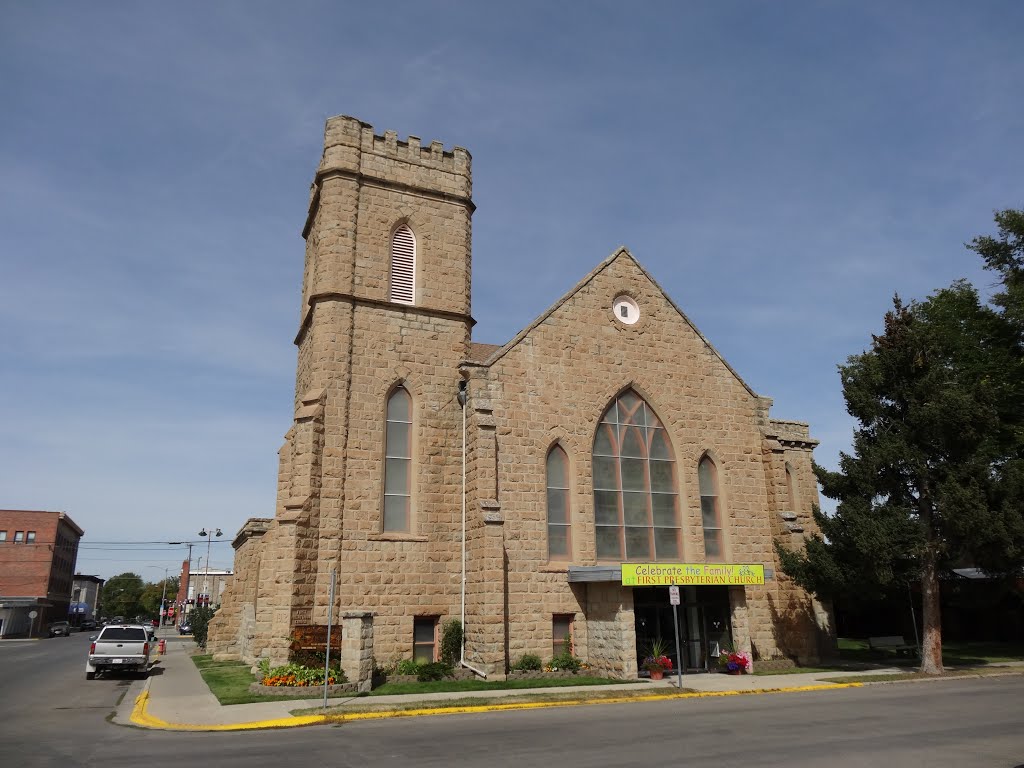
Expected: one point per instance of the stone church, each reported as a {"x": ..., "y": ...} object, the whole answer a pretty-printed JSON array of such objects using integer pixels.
[{"x": 507, "y": 485}]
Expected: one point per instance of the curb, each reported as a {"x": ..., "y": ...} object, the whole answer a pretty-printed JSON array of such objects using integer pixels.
[{"x": 142, "y": 718}]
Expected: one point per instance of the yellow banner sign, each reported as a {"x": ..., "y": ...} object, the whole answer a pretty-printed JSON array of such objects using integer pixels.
[{"x": 691, "y": 574}]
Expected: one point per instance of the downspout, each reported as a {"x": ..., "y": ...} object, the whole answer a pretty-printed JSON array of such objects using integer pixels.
[{"x": 462, "y": 396}]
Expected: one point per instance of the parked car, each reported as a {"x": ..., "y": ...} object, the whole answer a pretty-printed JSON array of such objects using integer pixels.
[
  {"x": 60, "y": 628},
  {"x": 185, "y": 628},
  {"x": 86, "y": 625},
  {"x": 121, "y": 648}
]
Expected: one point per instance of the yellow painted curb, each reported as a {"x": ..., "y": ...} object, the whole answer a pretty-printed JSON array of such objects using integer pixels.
[
  {"x": 139, "y": 715},
  {"x": 470, "y": 709}
]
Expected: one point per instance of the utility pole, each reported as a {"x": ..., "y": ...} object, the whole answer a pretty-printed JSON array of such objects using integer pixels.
[{"x": 163, "y": 599}]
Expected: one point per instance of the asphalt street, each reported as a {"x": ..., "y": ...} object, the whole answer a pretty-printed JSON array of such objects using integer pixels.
[{"x": 50, "y": 715}]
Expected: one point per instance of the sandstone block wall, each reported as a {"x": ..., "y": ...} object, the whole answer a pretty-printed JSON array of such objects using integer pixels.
[{"x": 549, "y": 385}]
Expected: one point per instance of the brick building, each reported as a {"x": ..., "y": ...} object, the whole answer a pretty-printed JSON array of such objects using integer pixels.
[
  {"x": 506, "y": 485},
  {"x": 38, "y": 551}
]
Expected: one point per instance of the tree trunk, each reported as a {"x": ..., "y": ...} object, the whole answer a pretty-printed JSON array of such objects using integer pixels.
[{"x": 931, "y": 617}]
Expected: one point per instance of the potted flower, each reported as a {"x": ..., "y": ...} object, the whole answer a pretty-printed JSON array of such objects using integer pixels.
[
  {"x": 734, "y": 662},
  {"x": 657, "y": 661}
]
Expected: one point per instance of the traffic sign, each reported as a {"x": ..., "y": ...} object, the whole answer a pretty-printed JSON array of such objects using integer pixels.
[{"x": 673, "y": 595}]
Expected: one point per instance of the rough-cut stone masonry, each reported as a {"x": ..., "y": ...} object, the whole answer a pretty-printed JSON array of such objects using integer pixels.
[{"x": 549, "y": 385}]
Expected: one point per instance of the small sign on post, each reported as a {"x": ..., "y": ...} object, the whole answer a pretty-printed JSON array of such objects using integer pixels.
[{"x": 673, "y": 598}]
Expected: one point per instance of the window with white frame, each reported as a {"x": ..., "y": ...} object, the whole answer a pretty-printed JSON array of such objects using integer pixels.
[
  {"x": 398, "y": 463},
  {"x": 424, "y": 639},
  {"x": 559, "y": 525},
  {"x": 710, "y": 508}
]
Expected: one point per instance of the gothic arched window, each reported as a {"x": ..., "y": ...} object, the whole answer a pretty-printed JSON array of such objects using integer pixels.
[
  {"x": 398, "y": 463},
  {"x": 790, "y": 488},
  {"x": 636, "y": 496},
  {"x": 559, "y": 522},
  {"x": 710, "y": 509}
]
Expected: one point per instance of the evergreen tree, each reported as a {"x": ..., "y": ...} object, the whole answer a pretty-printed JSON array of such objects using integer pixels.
[{"x": 935, "y": 476}]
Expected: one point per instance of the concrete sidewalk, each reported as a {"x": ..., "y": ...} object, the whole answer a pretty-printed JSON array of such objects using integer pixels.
[{"x": 176, "y": 697}]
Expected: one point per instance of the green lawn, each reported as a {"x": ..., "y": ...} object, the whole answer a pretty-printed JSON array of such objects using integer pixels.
[
  {"x": 953, "y": 653},
  {"x": 981, "y": 653},
  {"x": 229, "y": 681},
  {"x": 854, "y": 655}
]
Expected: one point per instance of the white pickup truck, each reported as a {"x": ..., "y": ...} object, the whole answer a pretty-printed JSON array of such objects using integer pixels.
[{"x": 122, "y": 647}]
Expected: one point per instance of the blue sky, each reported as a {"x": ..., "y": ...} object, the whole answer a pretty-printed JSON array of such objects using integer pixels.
[{"x": 781, "y": 169}]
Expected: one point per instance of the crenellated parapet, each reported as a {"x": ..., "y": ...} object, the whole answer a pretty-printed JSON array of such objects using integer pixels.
[
  {"x": 790, "y": 434},
  {"x": 352, "y": 149},
  {"x": 344, "y": 131}
]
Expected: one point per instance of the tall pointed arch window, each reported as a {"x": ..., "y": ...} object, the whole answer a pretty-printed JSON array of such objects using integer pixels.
[
  {"x": 398, "y": 463},
  {"x": 710, "y": 508},
  {"x": 790, "y": 487},
  {"x": 559, "y": 524},
  {"x": 636, "y": 497},
  {"x": 403, "y": 266}
]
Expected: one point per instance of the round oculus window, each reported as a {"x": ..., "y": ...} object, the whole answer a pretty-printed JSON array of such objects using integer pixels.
[{"x": 625, "y": 309}]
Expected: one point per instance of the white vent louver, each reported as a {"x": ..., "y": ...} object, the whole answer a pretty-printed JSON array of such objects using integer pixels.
[{"x": 403, "y": 266}]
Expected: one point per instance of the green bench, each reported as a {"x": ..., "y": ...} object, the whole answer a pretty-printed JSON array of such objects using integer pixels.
[{"x": 894, "y": 643}]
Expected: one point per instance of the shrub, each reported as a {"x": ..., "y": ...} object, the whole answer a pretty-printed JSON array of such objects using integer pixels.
[
  {"x": 200, "y": 618},
  {"x": 406, "y": 667},
  {"x": 451, "y": 643},
  {"x": 435, "y": 670},
  {"x": 307, "y": 657},
  {"x": 528, "y": 662},
  {"x": 564, "y": 662}
]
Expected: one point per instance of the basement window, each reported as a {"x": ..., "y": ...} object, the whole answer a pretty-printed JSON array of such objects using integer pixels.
[{"x": 424, "y": 639}]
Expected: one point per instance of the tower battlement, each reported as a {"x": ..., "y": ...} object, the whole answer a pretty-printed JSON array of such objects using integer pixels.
[{"x": 350, "y": 144}]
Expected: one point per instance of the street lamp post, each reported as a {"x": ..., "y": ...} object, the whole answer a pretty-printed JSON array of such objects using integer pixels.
[{"x": 206, "y": 579}]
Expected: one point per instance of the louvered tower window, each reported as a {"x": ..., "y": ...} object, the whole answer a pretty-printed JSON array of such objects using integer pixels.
[{"x": 403, "y": 266}]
